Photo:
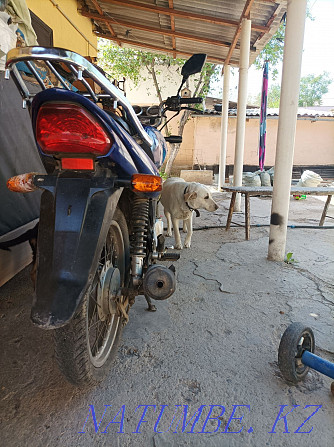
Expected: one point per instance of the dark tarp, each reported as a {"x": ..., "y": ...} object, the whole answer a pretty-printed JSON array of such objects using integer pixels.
[{"x": 18, "y": 155}]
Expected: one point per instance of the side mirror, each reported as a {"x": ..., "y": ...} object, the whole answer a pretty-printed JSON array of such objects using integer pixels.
[{"x": 193, "y": 65}]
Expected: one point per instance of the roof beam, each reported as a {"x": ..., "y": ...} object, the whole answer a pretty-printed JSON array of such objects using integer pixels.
[
  {"x": 99, "y": 10},
  {"x": 272, "y": 18},
  {"x": 181, "y": 14},
  {"x": 164, "y": 32},
  {"x": 245, "y": 14},
  {"x": 155, "y": 47},
  {"x": 172, "y": 26}
]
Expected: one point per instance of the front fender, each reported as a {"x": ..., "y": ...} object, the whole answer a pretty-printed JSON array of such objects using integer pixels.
[{"x": 74, "y": 221}]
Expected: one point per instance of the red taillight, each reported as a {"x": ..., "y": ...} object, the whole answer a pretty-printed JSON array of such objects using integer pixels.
[
  {"x": 78, "y": 164},
  {"x": 69, "y": 128}
]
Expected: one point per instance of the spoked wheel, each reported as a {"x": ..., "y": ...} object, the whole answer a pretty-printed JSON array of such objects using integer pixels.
[
  {"x": 296, "y": 339},
  {"x": 86, "y": 346}
]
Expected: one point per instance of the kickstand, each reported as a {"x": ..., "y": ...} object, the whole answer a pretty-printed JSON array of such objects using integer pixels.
[{"x": 151, "y": 307}]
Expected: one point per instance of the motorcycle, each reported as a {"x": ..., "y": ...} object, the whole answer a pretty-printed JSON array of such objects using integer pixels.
[{"x": 99, "y": 239}]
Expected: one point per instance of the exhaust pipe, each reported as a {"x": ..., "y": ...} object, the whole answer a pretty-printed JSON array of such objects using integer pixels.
[{"x": 159, "y": 282}]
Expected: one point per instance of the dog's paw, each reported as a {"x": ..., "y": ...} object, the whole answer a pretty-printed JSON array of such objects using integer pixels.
[
  {"x": 178, "y": 247},
  {"x": 187, "y": 244},
  {"x": 169, "y": 234},
  {"x": 184, "y": 230}
]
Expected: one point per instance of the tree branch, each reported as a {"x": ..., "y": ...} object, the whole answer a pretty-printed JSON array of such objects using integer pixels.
[{"x": 156, "y": 84}]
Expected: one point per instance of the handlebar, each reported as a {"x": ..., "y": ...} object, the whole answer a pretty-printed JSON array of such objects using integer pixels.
[
  {"x": 174, "y": 102},
  {"x": 197, "y": 100}
]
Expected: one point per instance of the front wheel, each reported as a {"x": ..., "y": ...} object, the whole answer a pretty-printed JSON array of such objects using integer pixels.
[{"x": 86, "y": 346}]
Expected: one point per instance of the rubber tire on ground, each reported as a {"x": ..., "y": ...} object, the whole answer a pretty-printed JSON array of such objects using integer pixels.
[
  {"x": 288, "y": 348},
  {"x": 71, "y": 341}
]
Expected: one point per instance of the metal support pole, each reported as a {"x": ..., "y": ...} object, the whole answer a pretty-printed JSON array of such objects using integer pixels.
[
  {"x": 292, "y": 58},
  {"x": 224, "y": 124},
  {"x": 242, "y": 104}
]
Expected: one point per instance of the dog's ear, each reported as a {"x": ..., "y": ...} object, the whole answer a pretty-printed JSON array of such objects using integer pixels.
[{"x": 190, "y": 196}]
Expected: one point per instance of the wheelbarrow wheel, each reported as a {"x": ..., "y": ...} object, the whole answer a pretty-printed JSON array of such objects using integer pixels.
[{"x": 296, "y": 339}]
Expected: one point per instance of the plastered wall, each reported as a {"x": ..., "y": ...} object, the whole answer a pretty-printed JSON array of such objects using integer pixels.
[
  {"x": 64, "y": 34},
  {"x": 314, "y": 144}
]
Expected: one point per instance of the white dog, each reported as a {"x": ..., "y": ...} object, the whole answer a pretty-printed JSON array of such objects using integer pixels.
[{"x": 179, "y": 199}]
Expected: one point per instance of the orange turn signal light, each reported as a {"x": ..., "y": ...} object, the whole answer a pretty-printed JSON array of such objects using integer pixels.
[
  {"x": 146, "y": 183},
  {"x": 22, "y": 183},
  {"x": 78, "y": 164}
]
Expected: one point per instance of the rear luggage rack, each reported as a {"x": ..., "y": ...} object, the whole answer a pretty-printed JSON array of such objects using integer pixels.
[{"x": 57, "y": 67}]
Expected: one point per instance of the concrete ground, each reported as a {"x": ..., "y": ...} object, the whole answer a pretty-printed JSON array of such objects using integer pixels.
[{"x": 213, "y": 343}]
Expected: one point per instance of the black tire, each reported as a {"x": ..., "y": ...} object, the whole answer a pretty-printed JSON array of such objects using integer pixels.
[
  {"x": 296, "y": 339},
  {"x": 82, "y": 360}
]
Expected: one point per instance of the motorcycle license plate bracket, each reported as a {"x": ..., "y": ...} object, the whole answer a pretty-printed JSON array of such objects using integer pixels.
[
  {"x": 49, "y": 182},
  {"x": 74, "y": 221}
]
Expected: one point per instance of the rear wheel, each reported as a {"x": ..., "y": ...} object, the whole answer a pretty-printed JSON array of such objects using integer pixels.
[{"x": 86, "y": 346}]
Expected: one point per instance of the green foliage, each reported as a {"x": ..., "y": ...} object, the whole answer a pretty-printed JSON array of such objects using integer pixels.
[
  {"x": 135, "y": 64},
  {"x": 289, "y": 259},
  {"x": 274, "y": 94},
  {"x": 272, "y": 52},
  {"x": 163, "y": 175},
  {"x": 273, "y": 97},
  {"x": 129, "y": 62},
  {"x": 312, "y": 89}
]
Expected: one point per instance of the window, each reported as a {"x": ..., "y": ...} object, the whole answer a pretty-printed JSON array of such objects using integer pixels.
[{"x": 43, "y": 31}]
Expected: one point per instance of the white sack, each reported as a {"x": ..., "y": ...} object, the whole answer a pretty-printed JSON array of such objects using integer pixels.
[
  {"x": 251, "y": 179},
  {"x": 7, "y": 39},
  {"x": 309, "y": 179}
]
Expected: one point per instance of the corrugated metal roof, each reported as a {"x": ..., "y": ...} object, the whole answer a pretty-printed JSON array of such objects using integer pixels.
[
  {"x": 130, "y": 23},
  {"x": 302, "y": 112}
]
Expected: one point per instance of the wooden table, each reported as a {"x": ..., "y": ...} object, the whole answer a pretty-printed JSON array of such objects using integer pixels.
[{"x": 267, "y": 191}]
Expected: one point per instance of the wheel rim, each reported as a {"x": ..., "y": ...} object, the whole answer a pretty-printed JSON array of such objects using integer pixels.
[
  {"x": 102, "y": 332},
  {"x": 305, "y": 343}
]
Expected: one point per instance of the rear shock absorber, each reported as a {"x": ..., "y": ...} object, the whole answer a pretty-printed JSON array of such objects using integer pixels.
[{"x": 140, "y": 221}]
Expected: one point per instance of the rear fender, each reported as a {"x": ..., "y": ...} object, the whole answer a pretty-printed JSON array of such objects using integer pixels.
[{"x": 74, "y": 221}]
